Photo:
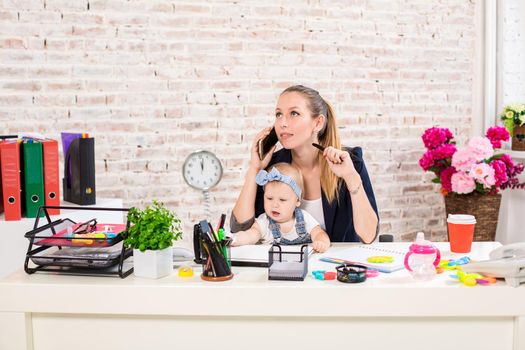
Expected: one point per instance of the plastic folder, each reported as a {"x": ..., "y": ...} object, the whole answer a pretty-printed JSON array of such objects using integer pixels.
[
  {"x": 51, "y": 175},
  {"x": 11, "y": 184},
  {"x": 33, "y": 177},
  {"x": 79, "y": 172}
]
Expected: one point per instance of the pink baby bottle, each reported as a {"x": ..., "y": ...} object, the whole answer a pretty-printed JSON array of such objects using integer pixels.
[{"x": 422, "y": 259}]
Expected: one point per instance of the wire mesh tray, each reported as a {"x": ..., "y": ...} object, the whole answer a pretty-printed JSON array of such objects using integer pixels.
[
  {"x": 102, "y": 257},
  {"x": 62, "y": 233}
]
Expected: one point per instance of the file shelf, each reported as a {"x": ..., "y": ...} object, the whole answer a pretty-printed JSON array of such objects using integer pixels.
[{"x": 67, "y": 247}]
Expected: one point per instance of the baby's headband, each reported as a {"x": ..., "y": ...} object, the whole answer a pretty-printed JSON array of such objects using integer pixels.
[{"x": 263, "y": 177}]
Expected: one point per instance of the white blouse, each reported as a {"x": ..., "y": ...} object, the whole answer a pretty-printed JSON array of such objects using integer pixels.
[{"x": 315, "y": 208}]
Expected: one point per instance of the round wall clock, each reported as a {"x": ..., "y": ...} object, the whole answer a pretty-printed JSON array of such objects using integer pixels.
[{"x": 202, "y": 170}]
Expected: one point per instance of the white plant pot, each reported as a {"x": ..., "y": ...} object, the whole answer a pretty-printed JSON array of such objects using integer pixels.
[{"x": 153, "y": 263}]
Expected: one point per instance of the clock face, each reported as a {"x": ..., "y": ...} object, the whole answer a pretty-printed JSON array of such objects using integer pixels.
[{"x": 202, "y": 170}]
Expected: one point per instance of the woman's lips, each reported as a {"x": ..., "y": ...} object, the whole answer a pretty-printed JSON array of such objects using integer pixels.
[{"x": 285, "y": 136}]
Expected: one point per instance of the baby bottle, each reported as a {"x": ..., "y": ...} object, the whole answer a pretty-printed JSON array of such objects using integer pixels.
[{"x": 422, "y": 259}]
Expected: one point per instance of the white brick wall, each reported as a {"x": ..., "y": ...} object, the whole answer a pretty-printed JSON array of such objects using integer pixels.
[
  {"x": 513, "y": 51},
  {"x": 153, "y": 80}
]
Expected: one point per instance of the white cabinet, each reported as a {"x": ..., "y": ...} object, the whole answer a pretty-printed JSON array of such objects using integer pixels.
[
  {"x": 511, "y": 227},
  {"x": 13, "y": 244}
]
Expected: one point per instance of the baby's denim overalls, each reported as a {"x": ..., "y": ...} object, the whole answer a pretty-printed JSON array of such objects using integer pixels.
[{"x": 300, "y": 228}]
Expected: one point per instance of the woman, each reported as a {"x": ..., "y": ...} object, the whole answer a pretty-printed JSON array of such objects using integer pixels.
[{"x": 337, "y": 189}]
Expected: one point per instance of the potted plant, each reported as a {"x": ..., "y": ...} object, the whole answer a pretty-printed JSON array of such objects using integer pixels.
[
  {"x": 471, "y": 177},
  {"x": 151, "y": 235},
  {"x": 514, "y": 118}
]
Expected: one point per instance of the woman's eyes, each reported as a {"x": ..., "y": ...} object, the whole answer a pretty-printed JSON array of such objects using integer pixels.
[{"x": 293, "y": 114}]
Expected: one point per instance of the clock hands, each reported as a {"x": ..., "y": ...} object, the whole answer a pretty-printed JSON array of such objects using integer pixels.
[{"x": 202, "y": 165}]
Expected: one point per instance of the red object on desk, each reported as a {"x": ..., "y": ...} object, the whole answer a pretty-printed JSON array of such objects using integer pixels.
[
  {"x": 11, "y": 183},
  {"x": 51, "y": 175},
  {"x": 61, "y": 238}
]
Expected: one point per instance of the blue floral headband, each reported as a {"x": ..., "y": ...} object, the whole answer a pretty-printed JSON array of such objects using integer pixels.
[{"x": 263, "y": 177}]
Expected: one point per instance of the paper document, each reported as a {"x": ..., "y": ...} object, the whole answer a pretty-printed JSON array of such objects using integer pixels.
[{"x": 360, "y": 254}]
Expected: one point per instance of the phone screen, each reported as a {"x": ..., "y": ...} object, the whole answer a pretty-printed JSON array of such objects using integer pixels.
[{"x": 266, "y": 144}]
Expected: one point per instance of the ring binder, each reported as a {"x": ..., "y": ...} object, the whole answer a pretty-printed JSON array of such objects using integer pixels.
[{"x": 79, "y": 172}]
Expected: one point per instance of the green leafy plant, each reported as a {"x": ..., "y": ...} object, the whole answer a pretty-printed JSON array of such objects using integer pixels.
[{"x": 154, "y": 228}]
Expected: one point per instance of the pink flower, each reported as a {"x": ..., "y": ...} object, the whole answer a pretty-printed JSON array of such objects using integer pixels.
[
  {"x": 484, "y": 174},
  {"x": 445, "y": 177},
  {"x": 500, "y": 171},
  {"x": 427, "y": 161},
  {"x": 463, "y": 159},
  {"x": 434, "y": 137},
  {"x": 481, "y": 148},
  {"x": 496, "y": 134},
  {"x": 462, "y": 183},
  {"x": 444, "y": 151},
  {"x": 505, "y": 158}
]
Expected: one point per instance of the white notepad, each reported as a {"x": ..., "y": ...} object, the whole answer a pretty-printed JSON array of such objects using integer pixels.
[{"x": 360, "y": 254}]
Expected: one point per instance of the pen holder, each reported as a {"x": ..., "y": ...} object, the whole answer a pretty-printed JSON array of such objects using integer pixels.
[{"x": 215, "y": 260}]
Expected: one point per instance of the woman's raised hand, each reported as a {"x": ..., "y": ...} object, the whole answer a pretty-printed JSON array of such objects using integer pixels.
[
  {"x": 255, "y": 162},
  {"x": 339, "y": 162}
]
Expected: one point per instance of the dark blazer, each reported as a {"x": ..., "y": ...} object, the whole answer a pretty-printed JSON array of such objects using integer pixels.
[{"x": 337, "y": 214}]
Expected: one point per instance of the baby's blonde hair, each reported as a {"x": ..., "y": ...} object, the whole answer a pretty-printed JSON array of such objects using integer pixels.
[{"x": 291, "y": 171}]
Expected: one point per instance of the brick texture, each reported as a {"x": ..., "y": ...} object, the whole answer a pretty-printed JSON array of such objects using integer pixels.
[
  {"x": 512, "y": 52},
  {"x": 154, "y": 80}
]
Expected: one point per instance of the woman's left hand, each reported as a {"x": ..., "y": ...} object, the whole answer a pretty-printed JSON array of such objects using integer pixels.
[{"x": 339, "y": 162}]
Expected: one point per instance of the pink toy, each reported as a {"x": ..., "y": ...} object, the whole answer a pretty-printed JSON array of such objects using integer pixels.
[{"x": 422, "y": 258}]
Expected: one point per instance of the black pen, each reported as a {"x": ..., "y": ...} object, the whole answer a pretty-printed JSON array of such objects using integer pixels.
[
  {"x": 322, "y": 148},
  {"x": 316, "y": 145}
]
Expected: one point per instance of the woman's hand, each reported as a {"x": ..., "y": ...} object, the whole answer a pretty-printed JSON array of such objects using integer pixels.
[
  {"x": 255, "y": 162},
  {"x": 339, "y": 162}
]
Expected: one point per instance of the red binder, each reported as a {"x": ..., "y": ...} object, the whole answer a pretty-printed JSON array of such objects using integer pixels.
[
  {"x": 51, "y": 175},
  {"x": 11, "y": 185}
]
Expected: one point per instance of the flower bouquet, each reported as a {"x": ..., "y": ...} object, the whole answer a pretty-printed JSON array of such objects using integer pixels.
[
  {"x": 514, "y": 118},
  {"x": 471, "y": 177}
]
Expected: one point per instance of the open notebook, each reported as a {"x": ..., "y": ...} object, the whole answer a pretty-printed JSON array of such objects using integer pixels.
[
  {"x": 257, "y": 255},
  {"x": 360, "y": 254}
]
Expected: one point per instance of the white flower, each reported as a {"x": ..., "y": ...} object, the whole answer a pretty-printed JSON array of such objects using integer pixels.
[{"x": 516, "y": 107}]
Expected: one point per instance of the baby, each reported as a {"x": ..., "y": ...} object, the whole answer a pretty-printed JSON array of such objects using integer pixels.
[{"x": 283, "y": 222}]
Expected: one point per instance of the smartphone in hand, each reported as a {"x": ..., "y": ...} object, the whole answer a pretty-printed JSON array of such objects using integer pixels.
[{"x": 266, "y": 144}]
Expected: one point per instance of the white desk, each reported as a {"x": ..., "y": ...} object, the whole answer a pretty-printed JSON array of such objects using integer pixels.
[
  {"x": 249, "y": 312},
  {"x": 13, "y": 245}
]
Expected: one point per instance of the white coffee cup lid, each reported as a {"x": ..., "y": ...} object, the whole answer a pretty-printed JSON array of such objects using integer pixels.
[{"x": 461, "y": 219}]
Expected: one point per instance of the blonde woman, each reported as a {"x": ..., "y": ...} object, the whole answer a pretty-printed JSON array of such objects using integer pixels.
[{"x": 337, "y": 188}]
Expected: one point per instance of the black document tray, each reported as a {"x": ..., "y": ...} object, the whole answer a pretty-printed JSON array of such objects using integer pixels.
[{"x": 49, "y": 251}]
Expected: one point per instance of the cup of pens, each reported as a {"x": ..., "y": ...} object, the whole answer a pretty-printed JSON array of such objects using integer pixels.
[{"x": 215, "y": 255}]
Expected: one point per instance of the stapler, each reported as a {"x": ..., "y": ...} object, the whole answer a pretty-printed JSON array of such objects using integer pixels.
[{"x": 506, "y": 262}]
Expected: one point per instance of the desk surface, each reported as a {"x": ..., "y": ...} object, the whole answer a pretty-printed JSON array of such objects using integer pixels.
[{"x": 251, "y": 293}]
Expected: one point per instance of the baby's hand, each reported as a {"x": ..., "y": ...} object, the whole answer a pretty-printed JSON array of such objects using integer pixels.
[{"x": 320, "y": 246}]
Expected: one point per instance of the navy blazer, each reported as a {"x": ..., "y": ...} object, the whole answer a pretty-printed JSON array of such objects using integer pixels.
[{"x": 337, "y": 214}]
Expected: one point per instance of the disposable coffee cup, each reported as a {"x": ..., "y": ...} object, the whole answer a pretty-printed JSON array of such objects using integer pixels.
[{"x": 460, "y": 232}]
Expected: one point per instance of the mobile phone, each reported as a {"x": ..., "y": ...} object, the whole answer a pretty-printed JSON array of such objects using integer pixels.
[{"x": 266, "y": 144}]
